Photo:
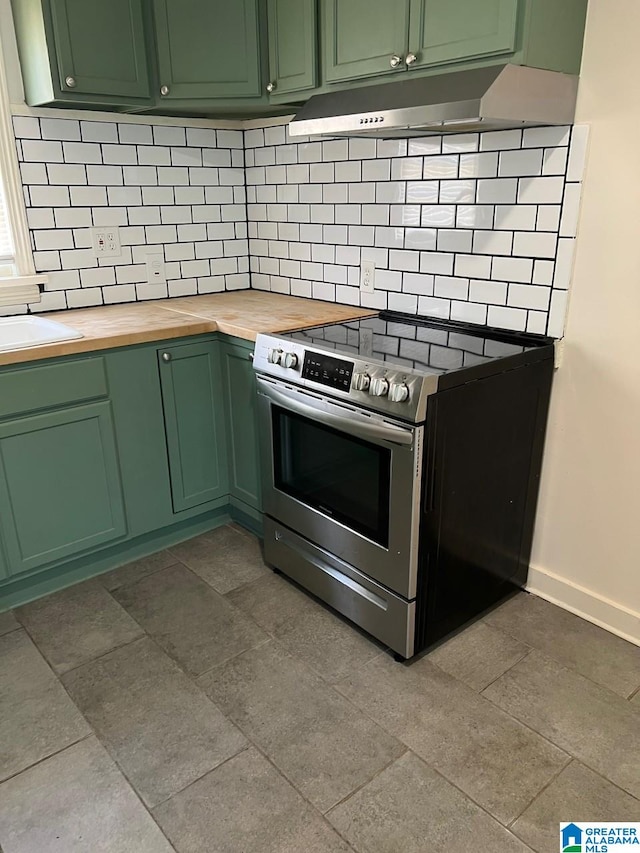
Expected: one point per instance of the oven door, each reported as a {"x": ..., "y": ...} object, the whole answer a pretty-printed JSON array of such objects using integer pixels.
[{"x": 347, "y": 480}]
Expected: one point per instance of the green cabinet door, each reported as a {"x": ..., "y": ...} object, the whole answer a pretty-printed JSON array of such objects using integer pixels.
[
  {"x": 362, "y": 37},
  {"x": 445, "y": 31},
  {"x": 60, "y": 492},
  {"x": 193, "y": 403},
  {"x": 293, "y": 36},
  {"x": 208, "y": 49},
  {"x": 100, "y": 47},
  {"x": 240, "y": 405}
]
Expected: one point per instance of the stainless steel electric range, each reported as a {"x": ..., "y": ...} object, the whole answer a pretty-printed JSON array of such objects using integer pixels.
[{"x": 400, "y": 465}]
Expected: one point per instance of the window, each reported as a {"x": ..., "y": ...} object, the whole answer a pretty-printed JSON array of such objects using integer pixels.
[{"x": 18, "y": 279}]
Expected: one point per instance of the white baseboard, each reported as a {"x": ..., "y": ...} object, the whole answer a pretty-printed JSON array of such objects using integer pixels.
[{"x": 583, "y": 602}]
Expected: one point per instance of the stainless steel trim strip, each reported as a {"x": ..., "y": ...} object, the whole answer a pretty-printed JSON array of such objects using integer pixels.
[{"x": 363, "y": 426}]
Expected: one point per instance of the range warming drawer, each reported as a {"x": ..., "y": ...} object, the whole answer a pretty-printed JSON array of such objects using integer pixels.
[{"x": 386, "y": 616}]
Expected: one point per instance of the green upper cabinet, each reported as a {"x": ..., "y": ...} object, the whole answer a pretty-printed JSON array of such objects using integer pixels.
[
  {"x": 193, "y": 401},
  {"x": 293, "y": 38},
  {"x": 363, "y": 38},
  {"x": 443, "y": 31},
  {"x": 83, "y": 51},
  {"x": 60, "y": 489},
  {"x": 240, "y": 404},
  {"x": 208, "y": 49}
]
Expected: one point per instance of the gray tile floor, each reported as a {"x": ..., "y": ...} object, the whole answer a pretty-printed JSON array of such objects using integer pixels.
[{"x": 194, "y": 701}]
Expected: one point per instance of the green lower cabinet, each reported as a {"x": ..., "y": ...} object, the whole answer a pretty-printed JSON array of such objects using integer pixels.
[
  {"x": 242, "y": 429},
  {"x": 363, "y": 38},
  {"x": 60, "y": 487},
  {"x": 134, "y": 391},
  {"x": 293, "y": 36},
  {"x": 443, "y": 31},
  {"x": 208, "y": 49},
  {"x": 193, "y": 401}
]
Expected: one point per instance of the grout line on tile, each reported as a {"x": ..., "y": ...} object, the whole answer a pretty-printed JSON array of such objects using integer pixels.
[{"x": 51, "y": 755}]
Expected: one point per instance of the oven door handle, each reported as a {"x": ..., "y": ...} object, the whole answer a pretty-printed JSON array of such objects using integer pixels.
[{"x": 361, "y": 427}]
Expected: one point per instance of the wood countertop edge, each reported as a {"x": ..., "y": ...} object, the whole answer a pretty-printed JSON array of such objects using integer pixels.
[
  {"x": 91, "y": 345},
  {"x": 200, "y": 323}
]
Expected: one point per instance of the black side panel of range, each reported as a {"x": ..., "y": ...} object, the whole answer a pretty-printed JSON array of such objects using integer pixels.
[{"x": 482, "y": 471}]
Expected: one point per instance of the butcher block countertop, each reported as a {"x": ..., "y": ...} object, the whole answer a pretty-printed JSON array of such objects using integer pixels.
[{"x": 243, "y": 314}]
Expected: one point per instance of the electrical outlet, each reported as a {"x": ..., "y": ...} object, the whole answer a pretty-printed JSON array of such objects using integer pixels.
[
  {"x": 367, "y": 276},
  {"x": 155, "y": 267},
  {"x": 106, "y": 242}
]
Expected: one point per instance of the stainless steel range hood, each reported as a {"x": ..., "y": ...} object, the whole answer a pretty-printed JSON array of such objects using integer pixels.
[{"x": 491, "y": 98}]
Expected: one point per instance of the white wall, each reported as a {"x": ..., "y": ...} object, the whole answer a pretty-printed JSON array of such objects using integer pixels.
[{"x": 587, "y": 545}]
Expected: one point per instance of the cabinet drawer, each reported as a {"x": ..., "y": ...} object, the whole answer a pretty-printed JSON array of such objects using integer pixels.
[{"x": 32, "y": 389}]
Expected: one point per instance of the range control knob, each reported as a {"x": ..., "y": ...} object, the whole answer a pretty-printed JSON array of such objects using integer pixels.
[
  {"x": 361, "y": 381},
  {"x": 289, "y": 359},
  {"x": 274, "y": 355},
  {"x": 379, "y": 387},
  {"x": 398, "y": 392}
]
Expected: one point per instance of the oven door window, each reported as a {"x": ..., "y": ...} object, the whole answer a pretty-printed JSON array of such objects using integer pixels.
[{"x": 343, "y": 477}]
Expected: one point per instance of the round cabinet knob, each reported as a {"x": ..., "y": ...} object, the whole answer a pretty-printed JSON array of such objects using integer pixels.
[
  {"x": 361, "y": 381},
  {"x": 290, "y": 359},
  {"x": 164, "y": 90},
  {"x": 395, "y": 61},
  {"x": 398, "y": 392},
  {"x": 271, "y": 87},
  {"x": 273, "y": 356},
  {"x": 379, "y": 387},
  {"x": 166, "y": 356},
  {"x": 410, "y": 59},
  {"x": 70, "y": 82}
]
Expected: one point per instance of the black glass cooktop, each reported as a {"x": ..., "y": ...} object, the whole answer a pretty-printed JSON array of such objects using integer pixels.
[{"x": 419, "y": 343}]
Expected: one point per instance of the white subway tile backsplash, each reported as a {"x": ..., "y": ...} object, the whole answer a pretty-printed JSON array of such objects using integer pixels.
[
  {"x": 570, "y": 211},
  {"x": 497, "y": 191},
  {"x": 459, "y": 143},
  {"x": 46, "y": 196},
  {"x": 154, "y": 156},
  {"x": 437, "y": 263},
  {"x": 499, "y": 140},
  {"x": 59, "y": 128},
  {"x": 42, "y": 151},
  {"x": 529, "y": 296},
  {"x": 524, "y": 162},
  {"x": 99, "y": 131},
  {"x": 516, "y": 217},
  {"x": 545, "y": 190},
  {"x": 543, "y": 272},
  {"x": 122, "y": 155},
  {"x": 454, "y": 240},
  {"x": 507, "y": 318},
  {"x": 548, "y": 218},
  {"x": 492, "y": 242},
  {"x": 64, "y": 173},
  {"x": 489, "y": 292},
  {"x": 104, "y": 175},
  {"x": 462, "y": 226},
  {"x": 555, "y": 161},
  {"x": 543, "y": 137},
  {"x": 26, "y": 127},
  {"x": 483, "y": 165},
  {"x": 536, "y": 244},
  {"x": 512, "y": 269},
  {"x": 472, "y": 266},
  {"x": 564, "y": 263}
]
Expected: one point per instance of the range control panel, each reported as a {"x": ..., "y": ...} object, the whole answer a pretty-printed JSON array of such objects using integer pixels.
[
  {"x": 326, "y": 370},
  {"x": 372, "y": 384}
]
